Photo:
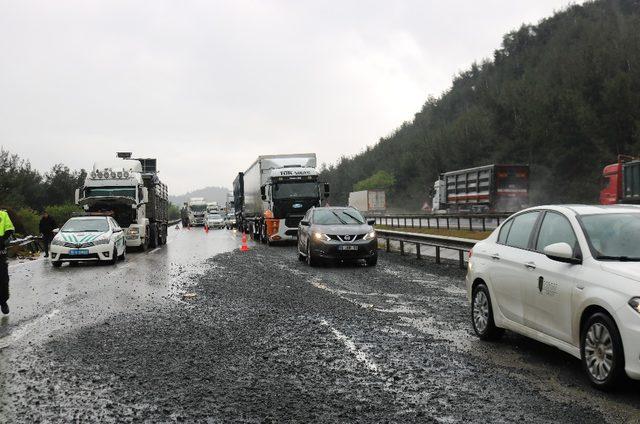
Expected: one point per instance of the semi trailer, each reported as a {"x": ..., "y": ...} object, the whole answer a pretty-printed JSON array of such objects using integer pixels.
[
  {"x": 368, "y": 201},
  {"x": 196, "y": 211},
  {"x": 274, "y": 193},
  {"x": 130, "y": 191},
  {"x": 490, "y": 188},
  {"x": 621, "y": 182}
]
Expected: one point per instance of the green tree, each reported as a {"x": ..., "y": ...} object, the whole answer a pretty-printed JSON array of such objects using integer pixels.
[{"x": 381, "y": 180}]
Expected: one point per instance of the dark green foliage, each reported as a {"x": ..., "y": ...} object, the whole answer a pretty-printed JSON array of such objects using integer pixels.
[
  {"x": 382, "y": 180},
  {"x": 562, "y": 96}
]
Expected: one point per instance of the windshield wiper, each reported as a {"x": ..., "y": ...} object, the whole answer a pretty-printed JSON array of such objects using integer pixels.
[
  {"x": 618, "y": 258},
  {"x": 339, "y": 219},
  {"x": 353, "y": 217}
]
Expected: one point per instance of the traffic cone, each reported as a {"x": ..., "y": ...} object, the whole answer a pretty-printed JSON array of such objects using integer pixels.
[
  {"x": 206, "y": 228},
  {"x": 244, "y": 247}
]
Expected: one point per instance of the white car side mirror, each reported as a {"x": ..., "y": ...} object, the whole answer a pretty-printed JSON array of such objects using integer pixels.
[
  {"x": 56, "y": 230},
  {"x": 561, "y": 252}
]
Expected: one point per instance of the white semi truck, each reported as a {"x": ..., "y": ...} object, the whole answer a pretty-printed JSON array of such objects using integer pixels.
[
  {"x": 196, "y": 210},
  {"x": 274, "y": 193},
  {"x": 368, "y": 201},
  {"x": 130, "y": 191}
]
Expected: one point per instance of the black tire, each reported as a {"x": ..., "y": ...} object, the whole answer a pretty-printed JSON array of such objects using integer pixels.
[
  {"x": 485, "y": 326},
  {"x": 153, "y": 243},
  {"x": 591, "y": 358},
  {"x": 145, "y": 244},
  {"x": 56, "y": 264},
  {"x": 114, "y": 256},
  {"x": 311, "y": 261},
  {"x": 372, "y": 261},
  {"x": 123, "y": 257}
]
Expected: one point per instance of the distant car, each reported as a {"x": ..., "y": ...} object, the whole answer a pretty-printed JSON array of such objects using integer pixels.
[
  {"x": 568, "y": 276},
  {"x": 90, "y": 238},
  {"x": 336, "y": 233},
  {"x": 214, "y": 220},
  {"x": 230, "y": 221}
]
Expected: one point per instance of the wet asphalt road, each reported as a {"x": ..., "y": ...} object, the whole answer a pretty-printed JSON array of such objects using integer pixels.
[{"x": 267, "y": 339}]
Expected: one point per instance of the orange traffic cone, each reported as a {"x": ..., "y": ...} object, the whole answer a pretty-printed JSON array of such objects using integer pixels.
[
  {"x": 244, "y": 247},
  {"x": 206, "y": 228}
]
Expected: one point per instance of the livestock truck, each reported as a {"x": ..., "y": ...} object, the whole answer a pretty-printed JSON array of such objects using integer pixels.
[
  {"x": 490, "y": 188},
  {"x": 368, "y": 201},
  {"x": 274, "y": 193},
  {"x": 196, "y": 211},
  {"x": 621, "y": 182},
  {"x": 130, "y": 191}
]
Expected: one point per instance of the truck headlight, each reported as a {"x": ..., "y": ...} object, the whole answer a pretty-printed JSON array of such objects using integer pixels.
[
  {"x": 635, "y": 304},
  {"x": 370, "y": 235},
  {"x": 322, "y": 236}
]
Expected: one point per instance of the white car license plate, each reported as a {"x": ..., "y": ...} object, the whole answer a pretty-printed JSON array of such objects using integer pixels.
[
  {"x": 347, "y": 247},
  {"x": 79, "y": 252}
]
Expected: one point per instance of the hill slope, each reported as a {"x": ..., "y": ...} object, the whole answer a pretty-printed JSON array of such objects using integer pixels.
[{"x": 563, "y": 96}]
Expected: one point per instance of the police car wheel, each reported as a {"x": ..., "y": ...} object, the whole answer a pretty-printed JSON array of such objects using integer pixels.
[{"x": 56, "y": 264}]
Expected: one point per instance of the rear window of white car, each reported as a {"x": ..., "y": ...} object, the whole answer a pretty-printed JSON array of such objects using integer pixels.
[{"x": 521, "y": 228}]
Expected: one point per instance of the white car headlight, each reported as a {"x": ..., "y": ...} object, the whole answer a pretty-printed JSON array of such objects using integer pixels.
[
  {"x": 370, "y": 235},
  {"x": 57, "y": 242},
  {"x": 635, "y": 304},
  {"x": 102, "y": 240},
  {"x": 322, "y": 236}
]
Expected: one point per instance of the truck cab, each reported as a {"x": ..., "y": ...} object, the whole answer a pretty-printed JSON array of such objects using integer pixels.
[
  {"x": 196, "y": 209},
  {"x": 621, "y": 182}
]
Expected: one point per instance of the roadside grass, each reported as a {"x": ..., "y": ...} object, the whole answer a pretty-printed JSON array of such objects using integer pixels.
[{"x": 475, "y": 235}]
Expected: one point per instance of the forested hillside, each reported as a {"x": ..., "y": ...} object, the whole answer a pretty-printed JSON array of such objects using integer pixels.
[{"x": 562, "y": 96}]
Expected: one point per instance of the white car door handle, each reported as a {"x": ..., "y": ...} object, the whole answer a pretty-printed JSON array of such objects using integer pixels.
[
  {"x": 495, "y": 257},
  {"x": 530, "y": 265}
]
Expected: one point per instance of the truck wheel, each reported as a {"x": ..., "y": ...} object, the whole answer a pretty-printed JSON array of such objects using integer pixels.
[{"x": 153, "y": 243}]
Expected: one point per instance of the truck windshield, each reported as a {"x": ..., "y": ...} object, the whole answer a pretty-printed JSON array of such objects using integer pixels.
[
  {"x": 198, "y": 208},
  {"x": 110, "y": 192},
  {"x": 97, "y": 225},
  {"x": 295, "y": 190},
  {"x": 337, "y": 217},
  {"x": 614, "y": 237}
]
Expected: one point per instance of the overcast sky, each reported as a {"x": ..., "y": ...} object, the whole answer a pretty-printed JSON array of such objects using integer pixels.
[{"x": 206, "y": 86}]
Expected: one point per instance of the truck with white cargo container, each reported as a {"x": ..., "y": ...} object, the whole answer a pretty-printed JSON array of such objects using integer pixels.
[
  {"x": 368, "y": 201},
  {"x": 274, "y": 193},
  {"x": 196, "y": 211},
  {"x": 130, "y": 191}
]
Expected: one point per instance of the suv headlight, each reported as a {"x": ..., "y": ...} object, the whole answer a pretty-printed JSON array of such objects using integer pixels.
[
  {"x": 370, "y": 235},
  {"x": 635, "y": 304},
  {"x": 321, "y": 236}
]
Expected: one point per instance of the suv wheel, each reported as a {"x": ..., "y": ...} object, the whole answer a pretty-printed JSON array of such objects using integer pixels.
[
  {"x": 601, "y": 351},
  {"x": 482, "y": 314}
]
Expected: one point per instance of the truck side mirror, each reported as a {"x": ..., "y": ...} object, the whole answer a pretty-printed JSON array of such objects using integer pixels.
[
  {"x": 326, "y": 190},
  {"x": 77, "y": 195},
  {"x": 263, "y": 192}
]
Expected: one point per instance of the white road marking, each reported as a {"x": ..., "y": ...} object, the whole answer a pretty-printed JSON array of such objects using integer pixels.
[
  {"x": 351, "y": 347},
  {"x": 155, "y": 250},
  {"x": 26, "y": 329}
]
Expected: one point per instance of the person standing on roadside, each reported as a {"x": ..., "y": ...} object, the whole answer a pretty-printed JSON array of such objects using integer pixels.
[
  {"x": 6, "y": 230},
  {"x": 47, "y": 225}
]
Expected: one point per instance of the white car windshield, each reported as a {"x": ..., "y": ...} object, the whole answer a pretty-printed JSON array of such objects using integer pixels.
[
  {"x": 613, "y": 236},
  {"x": 97, "y": 225}
]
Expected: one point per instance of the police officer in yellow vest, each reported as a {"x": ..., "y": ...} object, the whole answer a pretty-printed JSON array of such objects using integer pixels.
[{"x": 6, "y": 230}]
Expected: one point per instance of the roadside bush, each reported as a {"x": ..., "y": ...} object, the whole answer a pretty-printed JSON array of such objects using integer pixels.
[{"x": 62, "y": 213}]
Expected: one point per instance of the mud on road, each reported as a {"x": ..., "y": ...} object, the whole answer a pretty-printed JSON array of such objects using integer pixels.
[{"x": 268, "y": 339}]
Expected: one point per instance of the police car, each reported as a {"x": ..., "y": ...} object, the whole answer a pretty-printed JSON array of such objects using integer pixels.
[{"x": 88, "y": 238}]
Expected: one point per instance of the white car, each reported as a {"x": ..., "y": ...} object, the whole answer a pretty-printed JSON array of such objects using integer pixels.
[
  {"x": 568, "y": 276},
  {"x": 214, "y": 220},
  {"x": 88, "y": 238}
]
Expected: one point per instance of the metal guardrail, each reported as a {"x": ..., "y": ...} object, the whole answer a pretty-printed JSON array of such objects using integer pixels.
[
  {"x": 442, "y": 221},
  {"x": 461, "y": 245}
]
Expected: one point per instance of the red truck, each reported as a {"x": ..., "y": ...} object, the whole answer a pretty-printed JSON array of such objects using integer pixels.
[{"x": 621, "y": 182}]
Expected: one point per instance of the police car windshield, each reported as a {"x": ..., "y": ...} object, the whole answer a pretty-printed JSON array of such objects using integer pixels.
[{"x": 97, "y": 225}]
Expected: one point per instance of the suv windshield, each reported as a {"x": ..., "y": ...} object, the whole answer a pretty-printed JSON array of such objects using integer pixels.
[
  {"x": 337, "y": 217},
  {"x": 296, "y": 190},
  {"x": 97, "y": 225},
  {"x": 613, "y": 236}
]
